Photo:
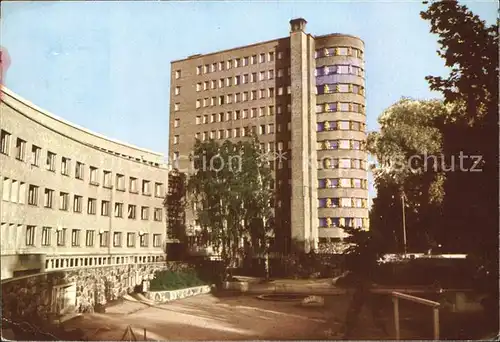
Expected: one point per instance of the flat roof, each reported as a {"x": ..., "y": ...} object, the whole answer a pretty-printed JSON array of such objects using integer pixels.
[{"x": 201, "y": 55}]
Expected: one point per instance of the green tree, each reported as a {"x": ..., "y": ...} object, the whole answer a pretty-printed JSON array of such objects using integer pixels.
[
  {"x": 408, "y": 152},
  {"x": 175, "y": 206},
  {"x": 470, "y": 49},
  {"x": 231, "y": 189}
]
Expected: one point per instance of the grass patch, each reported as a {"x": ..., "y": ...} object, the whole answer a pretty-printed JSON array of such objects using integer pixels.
[{"x": 169, "y": 280}]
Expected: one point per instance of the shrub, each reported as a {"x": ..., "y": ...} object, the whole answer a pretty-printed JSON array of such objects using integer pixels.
[{"x": 169, "y": 280}]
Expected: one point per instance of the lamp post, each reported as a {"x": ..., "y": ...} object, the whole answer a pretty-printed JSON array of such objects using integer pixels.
[{"x": 404, "y": 221}]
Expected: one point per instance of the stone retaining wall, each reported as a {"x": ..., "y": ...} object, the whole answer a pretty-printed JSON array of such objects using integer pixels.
[
  {"x": 31, "y": 297},
  {"x": 168, "y": 296}
]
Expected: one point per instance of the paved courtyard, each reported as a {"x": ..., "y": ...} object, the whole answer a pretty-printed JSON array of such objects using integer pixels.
[{"x": 206, "y": 317}]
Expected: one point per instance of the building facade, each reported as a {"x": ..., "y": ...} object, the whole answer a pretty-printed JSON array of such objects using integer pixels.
[
  {"x": 72, "y": 199},
  {"x": 304, "y": 96}
]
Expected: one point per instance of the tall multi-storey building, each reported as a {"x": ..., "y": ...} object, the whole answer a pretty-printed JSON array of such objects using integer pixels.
[
  {"x": 304, "y": 96},
  {"x": 73, "y": 199}
]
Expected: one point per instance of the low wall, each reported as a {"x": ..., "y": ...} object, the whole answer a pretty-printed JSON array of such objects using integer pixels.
[
  {"x": 36, "y": 297},
  {"x": 168, "y": 296}
]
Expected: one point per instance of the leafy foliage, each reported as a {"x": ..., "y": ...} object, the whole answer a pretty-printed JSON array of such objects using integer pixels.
[
  {"x": 175, "y": 204},
  {"x": 470, "y": 48},
  {"x": 169, "y": 280},
  {"x": 408, "y": 149},
  {"x": 231, "y": 190}
]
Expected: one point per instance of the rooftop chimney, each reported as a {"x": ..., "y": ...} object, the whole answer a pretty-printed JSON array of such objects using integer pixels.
[{"x": 297, "y": 25}]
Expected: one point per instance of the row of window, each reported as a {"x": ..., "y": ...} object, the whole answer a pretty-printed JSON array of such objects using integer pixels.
[
  {"x": 15, "y": 191},
  {"x": 341, "y": 126},
  {"x": 331, "y": 183},
  {"x": 343, "y": 202},
  {"x": 79, "y": 168},
  {"x": 238, "y": 80},
  {"x": 338, "y": 51},
  {"x": 238, "y": 97},
  {"x": 58, "y": 237},
  {"x": 333, "y": 88},
  {"x": 80, "y": 261},
  {"x": 340, "y": 107},
  {"x": 342, "y": 163},
  {"x": 342, "y": 144},
  {"x": 237, "y": 132},
  {"x": 238, "y": 62},
  {"x": 335, "y": 222},
  {"x": 238, "y": 115},
  {"x": 339, "y": 69}
]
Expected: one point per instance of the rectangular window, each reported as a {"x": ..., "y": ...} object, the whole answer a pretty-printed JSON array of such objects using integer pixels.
[
  {"x": 262, "y": 58},
  {"x": 79, "y": 170},
  {"x": 144, "y": 239},
  {"x": 75, "y": 237},
  {"x": 77, "y": 204},
  {"x": 91, "y": 206},
  {"x": 35, "y": 155},
  {"x": 158, "y": 214},
  {"x": 120, "y": 182},
  {"x": 118, "y": 209},
  {"x": 4, "y": 142},
  {"x": 229, "y": 81},
  {"x": 198, "y": 103},
  {"x": 270, "y": 129},
  {"x": 146, "y": 188},
  {"x": 159, "y": 190},
  {"x": 51, "y": 161},
  {"x": 246, "y": 78},
  {"x": 262, "y": 76},
  {"x": 105, "y": 208},
  {"x": 117, "y": 239},
  {"x": 270, "y": 74},
  {"x": 280, "y": 73},
  {"x": 198, "y": 86},
  {"x": 104, "y": 239},
  {"x": 46, "y": 232},
  {"x": 30, "y": 235},
  {"x": 198, "y": 70},
  {"x": 177, "y": 90},
  {"x": 156, "y": 240},
  {"x": 262, "y": 129},
  {"x": 63, "y": 201},
  {"x": 254, "y": 59},
  {"x": 6, "y": 189},
  {"x": 270, "y": 57},
  {"x": 131, "y": 211},
  {"x": 221, "y": 66},
  {"x": 93, "y": 176},
  {"x": 144, "y": 213},
  {"x": 133, "y": 185},
  {"x": 237, "y": 80},
  {"x": 107, "y": 181},
  {"x": 253, "y": 77},
  {"x": 271, "y": 92},
  {"x": 177, "y": 74},
  {"x": 176, "y": 139},
  {"x": 130, "y": 239},
  {"x": 65, "y": 166},
  {"x": 176, "y": 123},
  {"x": 48, "y": 195},
  {"x": 20, "y": 149},
  {"x": 89, "y": 238},
  {"x": 177, "y": 107},
  {"x": 61, "y": 237},
  {"x": 262, "y": 111}
]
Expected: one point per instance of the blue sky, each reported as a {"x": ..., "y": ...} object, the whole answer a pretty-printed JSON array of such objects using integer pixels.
[{"x": 106, "y": 65}]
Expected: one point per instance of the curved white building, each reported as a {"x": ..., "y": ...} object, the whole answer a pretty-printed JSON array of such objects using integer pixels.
[{"x": 72, "y": 198}]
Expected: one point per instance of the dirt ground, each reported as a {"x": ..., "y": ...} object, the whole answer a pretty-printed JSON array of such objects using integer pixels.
[{"x": 206, "y": 317}]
